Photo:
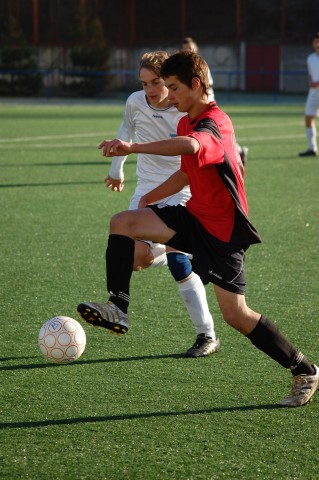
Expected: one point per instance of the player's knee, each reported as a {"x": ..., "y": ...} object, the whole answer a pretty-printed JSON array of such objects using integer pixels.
[
  {"x": 179, "y": 265},
  {"x": 143, "y": 257},
  {"x": 236, "y": 318},
  {"x": 230, "y": 317},
  {"x": 117, "y": 222},
  {"x": 124, "y": 223}
]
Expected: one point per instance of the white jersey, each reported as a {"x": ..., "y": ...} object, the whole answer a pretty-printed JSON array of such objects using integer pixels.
[
  {"x": 312, "y": 102},
  {"x": 211, "y": 96},
  {"x": 144, "y": 123},
  {"x": 313, "y": 66}
]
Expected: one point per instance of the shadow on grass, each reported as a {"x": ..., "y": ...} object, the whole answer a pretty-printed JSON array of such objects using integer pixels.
[
  {"x": 7, "y": 359},
  {"x": 86, "y": 362},
  {"x": 134, "y": 416}
]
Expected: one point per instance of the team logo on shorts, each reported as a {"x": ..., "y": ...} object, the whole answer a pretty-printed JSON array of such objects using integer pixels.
[{"x": 214, "y": 274}]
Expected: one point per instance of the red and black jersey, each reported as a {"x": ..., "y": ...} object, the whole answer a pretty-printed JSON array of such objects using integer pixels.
[{"x": 215, "y": 176}]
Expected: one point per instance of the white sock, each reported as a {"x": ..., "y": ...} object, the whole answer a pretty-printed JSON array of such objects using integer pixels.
[
  {"x": 314, "y": 138},
  {"x": 159, "y": 253},
  {"x": 193, "y": 294},
  {"x": 311, "y": 133}
]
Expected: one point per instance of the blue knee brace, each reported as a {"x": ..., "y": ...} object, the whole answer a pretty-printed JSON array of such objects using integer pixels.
[{"x": 179, "y": 265}]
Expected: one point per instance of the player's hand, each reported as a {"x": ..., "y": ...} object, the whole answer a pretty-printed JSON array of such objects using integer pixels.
[
  {"x": 114, "y": 184},
  {"x": 116, "y": 147},
  {"x": 142, "y": 203}
]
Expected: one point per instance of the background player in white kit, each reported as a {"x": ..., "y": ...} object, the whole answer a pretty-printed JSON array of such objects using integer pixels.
[
  {"x": 312, "y": 102},
  {"x": 148, "y": 116}
]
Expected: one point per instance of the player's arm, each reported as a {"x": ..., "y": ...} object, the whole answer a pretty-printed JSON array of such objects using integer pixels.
[
  {"x": 172, "y": 185},
  {"x": 173, "y": 146},
  {"x": 311, "y": 81},
  {"x": 115, "y": 178}
]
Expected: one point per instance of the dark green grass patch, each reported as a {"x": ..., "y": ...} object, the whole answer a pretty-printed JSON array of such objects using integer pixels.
[{"x": 133, "y": 407}]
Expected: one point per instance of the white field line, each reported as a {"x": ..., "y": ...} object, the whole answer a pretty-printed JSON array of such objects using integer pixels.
[
  {"x": 92, "y": 145},
  {"x": 273, "y": 137},
  {"x": 101, "y": 134},
  {"x": 48, "y": 145},
  {"x": 53, "y": 137},
  {"x": 12, "y": 142},
  {"x": 269, "y": 125}
]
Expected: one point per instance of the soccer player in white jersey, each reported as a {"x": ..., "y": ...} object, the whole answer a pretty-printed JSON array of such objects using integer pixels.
[
  {"x": 312, "y": 102},
  {"x": 148, "y": 117}
]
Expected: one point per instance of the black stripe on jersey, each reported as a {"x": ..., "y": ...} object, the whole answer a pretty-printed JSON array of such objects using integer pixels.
[
  {"x": 209, "y": 126},
  {"x": 244, "y": 233},
  {"x": 224, "y": 169}
]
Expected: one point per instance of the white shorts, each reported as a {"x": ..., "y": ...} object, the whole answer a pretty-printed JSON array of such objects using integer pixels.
[
  {"x": 179, "y": 198},
  {"x": 312, "y": 103}
]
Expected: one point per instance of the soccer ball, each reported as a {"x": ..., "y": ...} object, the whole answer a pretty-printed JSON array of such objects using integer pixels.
[{"x": 62, "y": 339}]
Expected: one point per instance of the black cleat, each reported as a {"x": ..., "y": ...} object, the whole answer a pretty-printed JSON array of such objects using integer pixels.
[
  {"x": 308, "y": 153},
  {"x": 106, "y": 315},
  {"x": 203, "y": 346}
]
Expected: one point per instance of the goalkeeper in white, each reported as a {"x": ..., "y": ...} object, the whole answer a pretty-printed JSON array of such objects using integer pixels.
[{"x": 149, "y": 117}]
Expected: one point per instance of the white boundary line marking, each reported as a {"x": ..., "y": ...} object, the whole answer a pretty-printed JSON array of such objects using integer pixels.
[
  {"x": 269, "y": 125},
  {"x": 52, "y": 137},
  {"x": 112, "y": 133},
  {"x": 273, "y": 137},
  {"x": 48, "y": 146},
  {"x": 92, "y": 145},
  {"x": 11, "y": 143}
]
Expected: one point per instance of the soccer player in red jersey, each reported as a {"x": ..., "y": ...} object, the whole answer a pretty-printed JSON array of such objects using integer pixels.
[{"x": 213, "y": 226}]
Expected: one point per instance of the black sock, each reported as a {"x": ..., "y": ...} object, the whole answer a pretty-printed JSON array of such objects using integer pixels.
[
  {"x": 267, "y": 337},
  {"x": 119, "y": 267}
]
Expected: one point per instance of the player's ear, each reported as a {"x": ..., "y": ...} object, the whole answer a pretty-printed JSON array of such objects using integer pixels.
[{"x": 196, "y": 83}]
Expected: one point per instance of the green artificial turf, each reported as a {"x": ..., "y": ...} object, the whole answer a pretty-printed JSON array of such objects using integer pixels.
[{"x": 132, "y": 407}]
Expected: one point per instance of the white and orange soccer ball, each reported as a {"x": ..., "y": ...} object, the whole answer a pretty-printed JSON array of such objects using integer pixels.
[{"x": 62, "y": 339}]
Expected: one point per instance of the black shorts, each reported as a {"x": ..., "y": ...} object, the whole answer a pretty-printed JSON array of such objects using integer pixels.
[{"x": 213, "y": 260}]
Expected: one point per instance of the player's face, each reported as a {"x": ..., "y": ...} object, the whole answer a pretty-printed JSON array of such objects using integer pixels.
[
  {"x": 154, "y": 87},
  {"x": 180, "y": 95},
  {"x": 315, "y": 44},
  {"x": 190, "y": 46}
]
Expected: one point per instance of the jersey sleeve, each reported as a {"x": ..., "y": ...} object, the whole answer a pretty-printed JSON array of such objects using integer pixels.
[
  {"x": 211, "y": 95},
  {"x": 209, "y": 138},
  {"x": 126, "y": 132},
  {"x": 309, "y": 67}
]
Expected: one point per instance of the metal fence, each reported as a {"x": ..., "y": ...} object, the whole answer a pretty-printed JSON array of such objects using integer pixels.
[{"x": 105, "y": 84}]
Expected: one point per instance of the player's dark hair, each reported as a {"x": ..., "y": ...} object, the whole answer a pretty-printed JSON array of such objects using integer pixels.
[
  {"x": 186, "y": 65},
  {"x": 153, "y": 61}
]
